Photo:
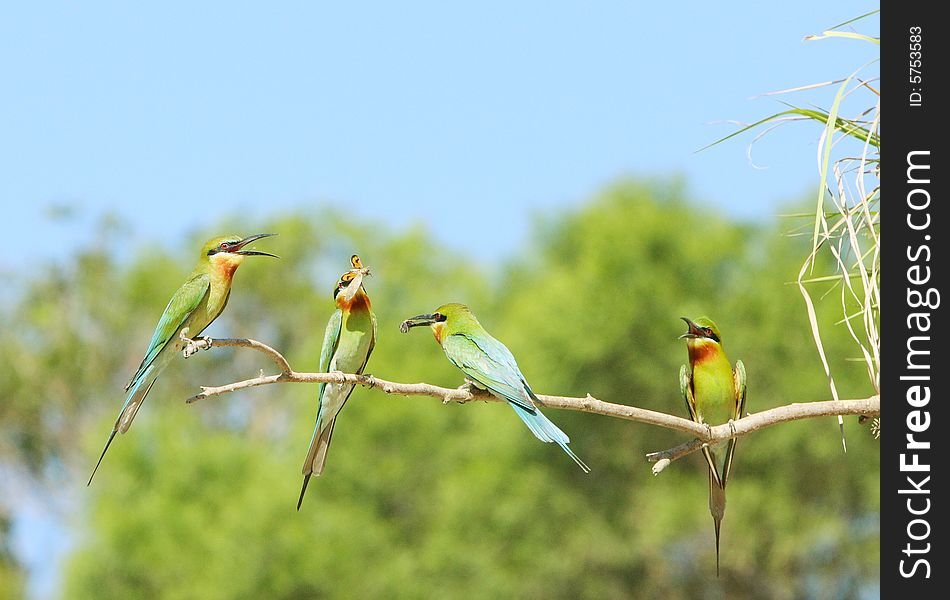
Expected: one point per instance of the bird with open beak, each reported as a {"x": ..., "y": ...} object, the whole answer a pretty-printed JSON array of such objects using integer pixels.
[
  {"x": 715, "y": 394},
  {"x": 191, "y": 309}
]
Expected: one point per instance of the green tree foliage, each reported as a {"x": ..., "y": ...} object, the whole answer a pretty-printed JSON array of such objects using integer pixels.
[
  {"x": 457, "y": 501},
  {"x": 11, "y": 576}
]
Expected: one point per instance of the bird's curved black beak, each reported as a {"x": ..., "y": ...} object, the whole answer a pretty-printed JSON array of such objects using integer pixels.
[
  {"x": 251, "y": 238},
  {"x": 694, "y": 330},
  {"x": 416, "y": 321}
]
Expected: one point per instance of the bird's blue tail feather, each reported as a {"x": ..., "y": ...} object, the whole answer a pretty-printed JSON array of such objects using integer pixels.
[
  {"x": 137, "y": 393},
  {"x": 138, "y": 389},
  {"x": 547, "y": 431}
]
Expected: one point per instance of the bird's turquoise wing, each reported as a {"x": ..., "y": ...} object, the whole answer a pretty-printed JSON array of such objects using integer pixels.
[
  {"x": 490, "y": 364},
  {"x": 738, "y": 375},
  {"x": 686, "y": 388},
  {"x": 372, "y": 342},
  {"x": 331, "y": 339},
  {"x": 182, "y": 304}
]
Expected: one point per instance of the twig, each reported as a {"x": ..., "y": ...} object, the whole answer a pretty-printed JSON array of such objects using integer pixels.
[
  {"x": 703, "y": 434},
  {"x": 753, "y": 422}
]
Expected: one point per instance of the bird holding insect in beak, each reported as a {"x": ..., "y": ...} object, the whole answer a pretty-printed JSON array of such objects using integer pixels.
[
  {"x": 191, "y": 309},
  {"x": 347, "y": 345},
  {"x": 715, "y": 394},
  {"x": 489, "y": 365}
]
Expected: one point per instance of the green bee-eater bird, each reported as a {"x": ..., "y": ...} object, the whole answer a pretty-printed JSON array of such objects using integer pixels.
[
  {"x": 347, "y": 345},
  {"x": 714, "y": 394},
  {"x": 488, "y": 364},
  {"x": 191, "y": 309}
]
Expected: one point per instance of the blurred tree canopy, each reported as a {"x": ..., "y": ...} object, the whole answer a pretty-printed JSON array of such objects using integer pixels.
[
  {"x": 11, "y": 575},
  {"x": 424, "y": 500}
]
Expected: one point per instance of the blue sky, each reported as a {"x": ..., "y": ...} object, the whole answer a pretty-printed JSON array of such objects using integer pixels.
[
  {"x": 174, "y": 115},
  {"x": 171, "y": 116}
]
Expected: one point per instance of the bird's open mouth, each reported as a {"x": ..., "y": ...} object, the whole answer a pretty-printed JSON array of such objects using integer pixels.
[
  {"x": 694, "y": 330},
  {"x": 238, "y": 248}
]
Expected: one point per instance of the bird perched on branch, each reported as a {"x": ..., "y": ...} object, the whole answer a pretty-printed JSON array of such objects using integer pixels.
[
  {"x": 488, "y": 364},
  {"x": 347, "y": 345},
  {"x": 191, "y": 309},
  {"x": 714, "y": 394}
]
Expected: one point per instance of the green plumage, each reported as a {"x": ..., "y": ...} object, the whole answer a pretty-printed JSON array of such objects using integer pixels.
[
  {"x": 191, "y": 309},
  {"x": 714, "y": 394},
  {"x": 348, "y": 342},
  {"x": 490, "y": 365}
]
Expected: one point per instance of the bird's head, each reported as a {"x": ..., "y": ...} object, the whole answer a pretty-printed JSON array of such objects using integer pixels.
[
  {"x": 227, "y": 252},
  {"x": 447, "y": 319},
  {"x": 702, "y": 336},
  {"x": 350, "y": 282}
]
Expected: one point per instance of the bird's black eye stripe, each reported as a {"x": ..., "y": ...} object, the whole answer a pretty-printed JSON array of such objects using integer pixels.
[
  {"x": 439, "y": 317},
  {"x": 709, "y": 333},
  {"x": 345, "y": 280},
  {"x": 222, "y": 247}
]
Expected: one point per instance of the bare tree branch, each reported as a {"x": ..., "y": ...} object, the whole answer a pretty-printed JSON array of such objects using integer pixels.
[
  {"x": 703, "y": 434},
  {"x": 753, "y": 422}
]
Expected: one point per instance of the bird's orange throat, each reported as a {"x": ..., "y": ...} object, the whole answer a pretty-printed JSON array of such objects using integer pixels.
[
  {"x": 702, "y": 350},
  {"x": 437, "y": 330},
  {"x": 227, "y": 264},
  {"x": 359, "y": 302}
]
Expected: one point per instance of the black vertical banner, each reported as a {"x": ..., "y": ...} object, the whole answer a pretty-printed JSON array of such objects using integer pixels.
[{"x": 914, "y": 55}]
